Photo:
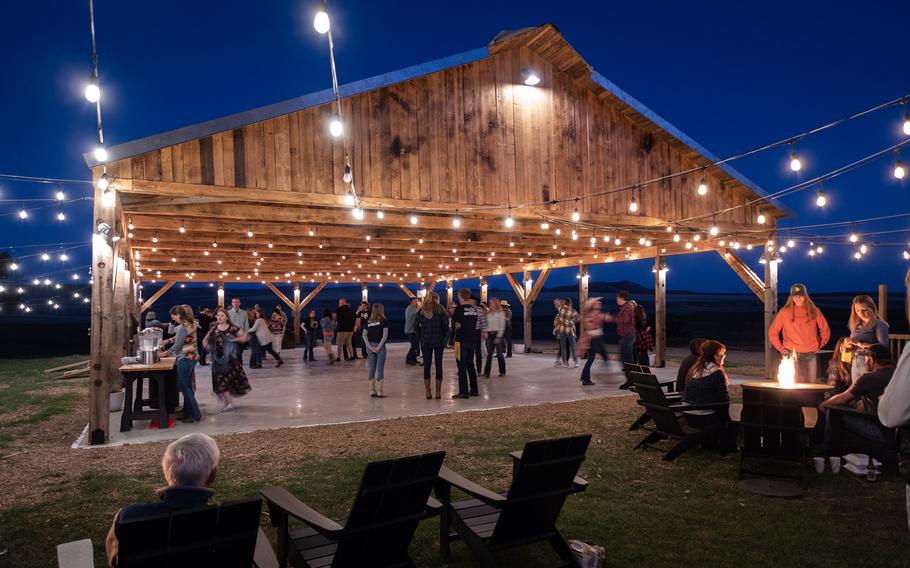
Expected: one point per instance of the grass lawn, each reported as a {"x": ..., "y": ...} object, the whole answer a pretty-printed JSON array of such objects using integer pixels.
[{"x": 645, "y": 512}]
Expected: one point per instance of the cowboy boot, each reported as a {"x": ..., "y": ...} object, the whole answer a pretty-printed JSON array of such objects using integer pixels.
[
  {"x": 373, "y": 387},
  {"x": 379, "y": 389},
  {"x": 438, "y": 388},
  {"x": 426, "y": 383}
]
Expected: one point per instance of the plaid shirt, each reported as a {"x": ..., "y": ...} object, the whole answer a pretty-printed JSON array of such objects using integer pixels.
[
  {"x": 625, "y": 319},
  {"x": 564, "y": 323},
  {"x": 643, "y": 340}
]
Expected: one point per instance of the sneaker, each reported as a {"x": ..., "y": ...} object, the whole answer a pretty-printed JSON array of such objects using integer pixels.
[
  {"x": 566, "y": 364},
  {"x": 459, "y": 395},
  {"x": 558, "y": 363},
  {"x": 586, "y": 384},
  {"x": 228, "y": 407},
  {"x": 576, "y": 364}
]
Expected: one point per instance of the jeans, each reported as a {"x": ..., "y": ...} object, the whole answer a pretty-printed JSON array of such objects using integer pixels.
[
  {"x": 626, "y": 348},
  {"x": 478, "y": 353},
  {"x": 492, "y": 345},
  {"x": 508, "y": 339},
  {"x": 411, "y": 357},
  {"x": 308, "y": 354},
  {"x": 255, "y": 351},
  {"x": 428, "y": 354},
  {"x": 567, "y": 346},
  {"x": 185, "y": 384},
  {"x": 377, "y": 361},
  {"x": 597, "y": 346},
  {"x": 466, "y": 368}
]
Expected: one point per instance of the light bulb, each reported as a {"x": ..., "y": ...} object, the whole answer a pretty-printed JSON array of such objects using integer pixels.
[
  {"x": 92, "y": 91},
  {"x": 906, "y": 254},
  {"x": 456, "y": 222},
  {"x": 863, "y": 248},
  {"x": 819, "y": 249},
  {"x": 182, "y": 229},
  {"x": 60, "y": 196},
  {"x": 104, "y": 182},
  {"x": 23, "y": 214},
  {"x": 811, "y": 252},
  {"x": 531, "y": 79},
  {"x": 249, "y": 234},
  {"x": 348, "y": 176},
  {"x": 641, "y": 240},
  {"x": 61, "y": 216},
  {"x": 688, "y": 244},
  {"x": 509, "y": 222},
  {"x": 791, "y": 243},
  {"x": 380, "y": 214},
  {"x": 321, "y": 22},
  {"x": 358, "y": 213},
  {"x": 696, "y": 237},
  {"x": 64, "y": 257},
  {"x": 821, "y": 200},
  {"x": 335, "y": 126},
  {"x": 617, "y": 241},
  {"x": 899, "y": 171},
  {"x": 575, "y": 215},
  {"x": 633, "y": 205},
  {"x": 413, "y": 219},
  {"x": 714, "y": 230},
  {"x": 854, "y": 237},
  {"x": 100, "y": 154},
  {"x": 907, "y": 124},
  {"x": 130, "y": 225},
  {"x": 544, "y": 225},
  {"x": 761, "y": 219},
  {"x": 703, "y": 187},
  {"x": 14, "y": 266},
  {"x": 857, "y": 255},
  {"x": 45, "y": 257},
  {"x": 795, "y": 163},
  {"x": 676, "y": 237}
]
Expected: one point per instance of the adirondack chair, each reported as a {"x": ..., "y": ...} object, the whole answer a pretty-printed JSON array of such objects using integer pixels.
[
  {"x": 394, "y": 496},
  {"x": 214, "y": 535},
  {"x": 634, "y": 367},
  {"x": 670, "y": 422},
  {"x": 671, "y": 397},
  {"x": 543, "y": 475},
  {"x": 846, "y": 441},
  {"x": 775, "y": 435}
]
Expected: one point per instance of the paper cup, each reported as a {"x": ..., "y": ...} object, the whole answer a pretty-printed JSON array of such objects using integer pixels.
[
  {"x": 819, "y": 465},
  {"x": 835, "y": 464}
]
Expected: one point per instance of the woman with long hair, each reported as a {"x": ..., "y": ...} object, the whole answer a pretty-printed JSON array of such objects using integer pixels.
[
  {"x": 328, "y": 333},
  {"x": 374, "y": 337},
  {"x": 707, "y": 383},
  {"x": 804, "y": 329},
  {"x": 644, "y": 342},
  {"x": 433, "y": 326},
  {"x": 278, "y": 322},
  {"x": 866, "y": 329},
  {"x": 838, "y": 372},
  {"x": 183, "y": 347},
  {"x": 310, "y": 326},
  {"x": 496, "y": 328},
  {"x": 592, "y": 338},
  {"x": 223, "y": 341}
]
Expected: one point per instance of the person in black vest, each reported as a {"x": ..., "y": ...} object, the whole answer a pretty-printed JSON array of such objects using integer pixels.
[
  {"x": 345, "y": 320},
  {"x": 204, "y": 321},
  {"x": 363, "y": 316},
  {"x": 465, "y": 321}
]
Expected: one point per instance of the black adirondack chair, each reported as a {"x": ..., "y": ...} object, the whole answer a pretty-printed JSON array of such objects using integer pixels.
[
  {"x": 847, "y": 441},
  {"x": 670, "y": 422},
  {"x": 216, "y": 535},
  {"x": 671, "y": 397},
  {"x": 543, "y": 475},
  {"x": 775, "y": 435},
  {"x": 394, "y": 496},
  {"x": 634, "y": 367}
]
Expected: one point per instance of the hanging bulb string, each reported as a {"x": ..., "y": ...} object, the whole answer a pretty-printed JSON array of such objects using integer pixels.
[
  {"x": 40, "y": 207},
  {"x": 55, "y": 251},
  {"x": 80, "y": 243},
  {"x": 40, "y": 179}
]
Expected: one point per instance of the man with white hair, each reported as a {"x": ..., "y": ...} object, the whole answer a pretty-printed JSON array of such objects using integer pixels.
[{"x": 189, "y": 466}]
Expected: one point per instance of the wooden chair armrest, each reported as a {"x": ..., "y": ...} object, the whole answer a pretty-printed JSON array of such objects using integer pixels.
[
  {"x": 454, "y": 479},
  {"x": 736, "y": 412},
  {"x": 281, "y": 498},
  {"x": 76, "y": 554},
  {"x": 810, "y": 417},
  {"x": 264, "y": 556},
  {"x": 580, "y": 483},
  {"x": 705, "y": 406},
  {"x": 434, "y": 505},
  {"x": 517, "y": 454},
  {"x": 850, "y": 410}
]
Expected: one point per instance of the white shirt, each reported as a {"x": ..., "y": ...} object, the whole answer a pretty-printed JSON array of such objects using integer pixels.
[
  {"x": 894, "y": 404},
  {"x": 238, "y": 318}
]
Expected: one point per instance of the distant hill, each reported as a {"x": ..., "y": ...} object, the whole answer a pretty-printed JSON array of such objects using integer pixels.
[{"x": 603, "y": 288}]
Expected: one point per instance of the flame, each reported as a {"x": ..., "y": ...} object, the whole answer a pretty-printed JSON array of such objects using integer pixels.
[{"x": 786, "y": 372}]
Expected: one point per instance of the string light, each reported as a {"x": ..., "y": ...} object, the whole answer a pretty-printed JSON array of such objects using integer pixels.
[
  {"x": 358, "y": 214},
  {"x": 45, "y": 257},
  {"x": 321, "y": 21},
  {"x": 92, "y": 91},
  {"x": 906, "y": 120},
  {"x": 899, "y": 171},
  {"x": 335, "y": 127},
  {"x": 13, "y": 266},
  {"x": 61, "y": 216},
  {"x": 545, "y": 226},
  {"x": 130, "y": 223},
  {"x": 456, "y": 221},
  {"x": 854, "y": 237},
  {"x": 23, "y": 214},
  {"x": 714, "y": 229},
  {"x": 795, "y": 163},
  {"x": 761, "y": 219},
  {"x": 249, "y": 232},
  {"x": 100, "y": 154},
  {"x": 182, "y": 228},
  {"x": 703, "y": 186},
  {"x": 575, "y": 214},
  {"x": 509, "y": 221},
  {"x": 380, "y": 214},
  {"x": 60, "y": 196},
  {"x": 413, "y": 219},
  {"x": 633, "y": 205},
  {"x": 821, "y": 200}
]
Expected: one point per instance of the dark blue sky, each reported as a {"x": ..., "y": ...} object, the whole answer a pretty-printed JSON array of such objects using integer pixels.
[{"x": 732, "y": 75}]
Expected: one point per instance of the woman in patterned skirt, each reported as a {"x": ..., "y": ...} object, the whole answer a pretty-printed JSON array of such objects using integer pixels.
[{"x": 228, "y": 378}]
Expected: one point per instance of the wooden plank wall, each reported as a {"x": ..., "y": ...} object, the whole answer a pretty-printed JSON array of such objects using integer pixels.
[{"x": 468, "y": 135}]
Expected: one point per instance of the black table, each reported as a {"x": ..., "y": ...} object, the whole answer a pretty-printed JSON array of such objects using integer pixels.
[{"x": 161, "y": 375}]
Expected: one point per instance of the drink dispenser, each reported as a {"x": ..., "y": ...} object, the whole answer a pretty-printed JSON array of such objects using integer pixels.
[{"x": 149, "y": 339}]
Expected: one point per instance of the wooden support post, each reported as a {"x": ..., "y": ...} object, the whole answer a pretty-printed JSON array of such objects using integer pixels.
[
  {"x": 770, "y": 311},
  {"x": 660, "y": 312},
  {"x": 364, "y": 293},
  {"x": 519, "y": 291},
  {"x": 221, "y": 294},
  {"x": 531, "y": 292},
  {"x": 883, "y": 301},
  {"x": 119, "y": 316},
  {"x": 102, "y": 322},
  {"x": 297, "y": 309},
  {"x": 280, "y": 295},
  {"x": 484, "y": 288},
  {"x": 450, "y": 292},
  {"x": 582, "y": 295},
  {"x": 148, "y": 303},
  {"x": 312, "y": 294},
  {"x": 407, "y": 291}
]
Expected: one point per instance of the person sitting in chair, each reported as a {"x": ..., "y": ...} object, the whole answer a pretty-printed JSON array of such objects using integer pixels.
[
  {"x": 865, "y": 392},
  {"x": 189, "y": 466}
]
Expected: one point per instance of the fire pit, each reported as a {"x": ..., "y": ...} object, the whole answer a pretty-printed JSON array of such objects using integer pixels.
[{"x": 786, "y": 389}]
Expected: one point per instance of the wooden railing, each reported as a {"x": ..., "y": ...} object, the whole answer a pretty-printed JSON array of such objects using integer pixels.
[{"x": 898, "y": 341}]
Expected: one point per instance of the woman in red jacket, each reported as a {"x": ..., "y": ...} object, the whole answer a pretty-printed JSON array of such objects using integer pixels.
[{"x": 804, "y": 329}]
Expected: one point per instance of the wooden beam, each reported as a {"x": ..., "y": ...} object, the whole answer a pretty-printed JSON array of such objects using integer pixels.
[
  {"x": 278, "y": 293},
  {"x": 538, "y": 286},
  {"x": 312, "y": 294},
  {"x": 744, "y": 272},
  {"x": 407, "y": 291},
  {"x": 582, "y": 295},
  {"x": 660, "y": 313},
  {"x": 148, "y": 303},
  {"x": 770, "y": 311},
  {"x": 519, "y": 291},
  {"x": 883, "y": 301},
  {"x": 296, "y": 309}
]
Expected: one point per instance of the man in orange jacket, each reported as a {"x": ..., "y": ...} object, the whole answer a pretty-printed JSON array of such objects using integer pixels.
[{"x": 805, "y": 330}]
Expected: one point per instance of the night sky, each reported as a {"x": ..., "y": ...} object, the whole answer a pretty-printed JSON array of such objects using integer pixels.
[{"x": 732, "y": 75}]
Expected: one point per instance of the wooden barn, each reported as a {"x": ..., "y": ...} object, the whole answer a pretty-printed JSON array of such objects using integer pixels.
[{"x": 464, "y": 167}]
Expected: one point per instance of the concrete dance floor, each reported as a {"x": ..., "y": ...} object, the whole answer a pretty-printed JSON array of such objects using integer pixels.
[{"x": 298, "y": 395}]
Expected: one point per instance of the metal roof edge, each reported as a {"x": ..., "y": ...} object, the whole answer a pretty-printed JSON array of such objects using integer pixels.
[
  {"x": 628, "y": 99},
  {"x": 209, "y": 127}
]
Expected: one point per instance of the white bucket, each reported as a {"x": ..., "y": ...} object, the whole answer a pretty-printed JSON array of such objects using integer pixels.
[{"x": 117, "y": 400}]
